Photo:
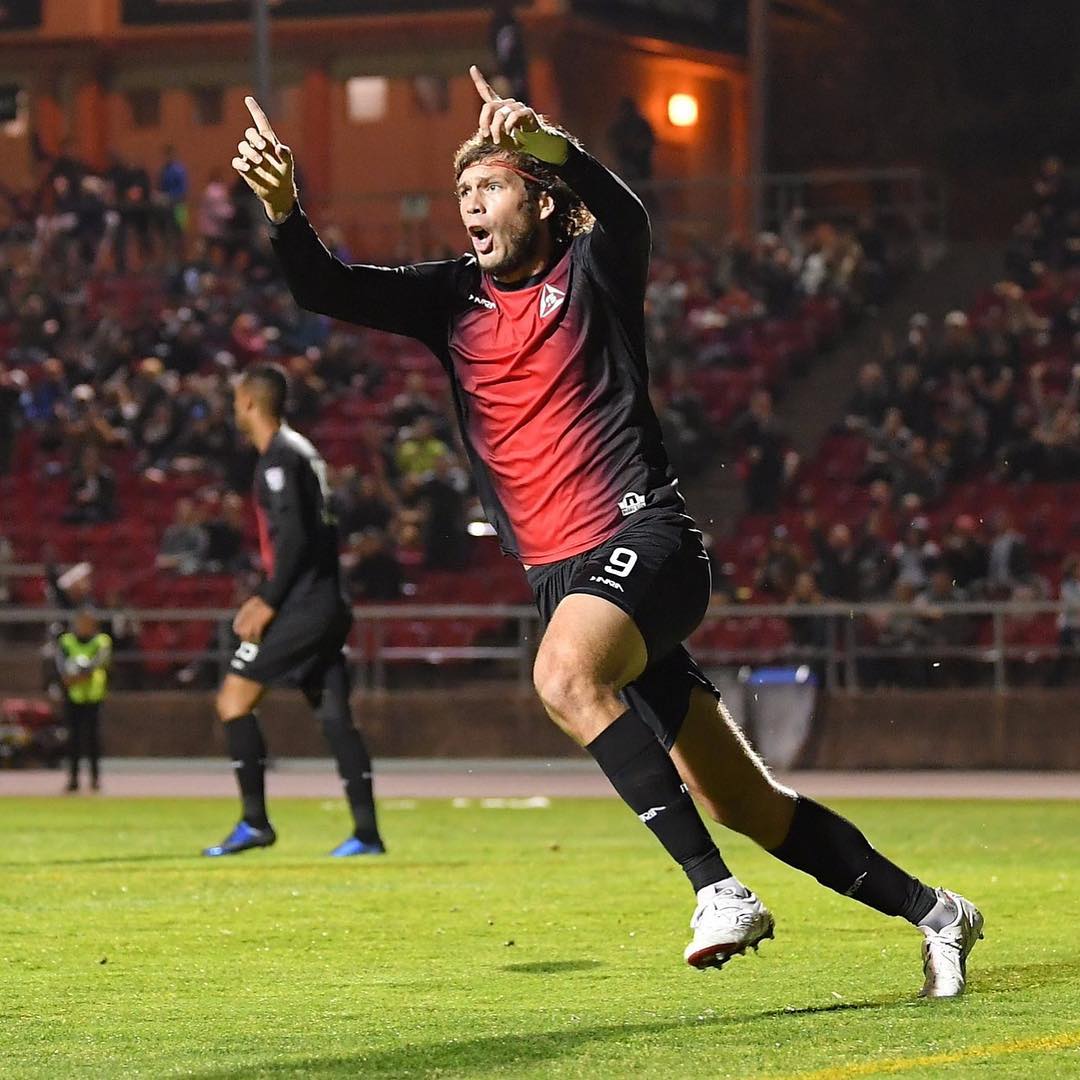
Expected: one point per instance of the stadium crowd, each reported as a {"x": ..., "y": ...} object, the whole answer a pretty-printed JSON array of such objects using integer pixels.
[
  {"x": 951, "y": 476},
  {"x": 120, "y": 333},
  {"x": 121, "y": 329}
]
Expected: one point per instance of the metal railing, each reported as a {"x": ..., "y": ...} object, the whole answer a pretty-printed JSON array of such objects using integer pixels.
[
  {"x": 850, "y": 645},
  {"x": 416, "y": 224}
]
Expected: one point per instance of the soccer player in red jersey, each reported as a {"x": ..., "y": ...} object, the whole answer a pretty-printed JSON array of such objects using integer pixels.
[{"x": 540, "y": 330}]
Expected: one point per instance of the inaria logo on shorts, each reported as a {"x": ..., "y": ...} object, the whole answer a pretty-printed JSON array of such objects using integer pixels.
[
  {"x": 606, "y": 581},
  {"x": 631, "y": 503}
]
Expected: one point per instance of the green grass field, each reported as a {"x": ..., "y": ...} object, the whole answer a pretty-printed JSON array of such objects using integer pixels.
[{"x": 511, "y": 943}]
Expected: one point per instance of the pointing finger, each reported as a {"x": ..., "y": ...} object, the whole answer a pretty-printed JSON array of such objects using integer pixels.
[
  {"x": 483, "y": 87},
  {"x": 260, "y": 118}
]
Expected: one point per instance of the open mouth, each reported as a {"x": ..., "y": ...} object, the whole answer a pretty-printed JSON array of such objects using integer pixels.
[{"x": 483, "y": 241}]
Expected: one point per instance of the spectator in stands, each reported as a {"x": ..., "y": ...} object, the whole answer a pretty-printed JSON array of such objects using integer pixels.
[
  {"x": 1052, "y": 190},
  {"x": 205, "y": 442},
  {"x": 903, "y": 630},
  {"x": 941, "y": 628},
  {"x": 68, "y": 164},
  {"x": 185, "y": 542},
  {"x": 919, "y": 475},
  {"x": 964, "y": 555},
  {"x": 372, "y": 571},
  {"x": 225, "y": 551},
  {"x": 307, "y": 392},
  {"x": 916, "y": 555},
  {"x": 442, "y": 496},
  {"x": 420, "y": 448},
  {"x": 868, "y": 403},
  {"x": 46, "y": 404},
  {"x": 93, "y": 490},
  {"x": 683, "y": 442},
  {"x": 837, "y": 562},
  {"x": 172, "y": 194},
  {"x": 780, "y": 564},
  {"x": 508, "y": 47},
  {"x": 363, "y": 501},
  {"x": 1068, "y": 621},
  {"x": 959, "y": 346},
  {"x": 132, "y": 198},
  {"x": 768, "y": 462},
  {"x": 12, "y": 387},
  {"x": 873, "y": 551},
  {"x": 215, "y": 212},
  {"x": 889, "y": 445},
  {"x": 808, "y": 631},
  {"x": 90, "y": 220},
  {"x": 87, "y": 422},
  {"x": 157, "y": 434},
  {"x": 413, "y": 402},
  {"x": 7, "y": 556},
  {"x": 632, "y": 139},
  {"x": 1008, "y": 563}
]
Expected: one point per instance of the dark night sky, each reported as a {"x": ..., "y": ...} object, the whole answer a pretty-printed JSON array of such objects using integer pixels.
[{"x": 957, "y": 83}]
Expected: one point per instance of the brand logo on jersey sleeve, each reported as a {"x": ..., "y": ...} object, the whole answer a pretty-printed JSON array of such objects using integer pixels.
[
  {"x": 631, "y": 503},
  {"x": 550, "y": 300}
]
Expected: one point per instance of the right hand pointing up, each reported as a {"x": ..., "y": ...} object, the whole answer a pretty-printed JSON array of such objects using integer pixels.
[{"x": 267, "y": 165}]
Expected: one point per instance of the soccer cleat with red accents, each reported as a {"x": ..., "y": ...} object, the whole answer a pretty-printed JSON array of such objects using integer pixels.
[{"x": 727, "y": 922}]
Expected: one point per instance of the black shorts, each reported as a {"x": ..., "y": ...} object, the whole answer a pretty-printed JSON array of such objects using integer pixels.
[
  {"x": 656, "y": 569},
  {"x": 297, "y": 649}
]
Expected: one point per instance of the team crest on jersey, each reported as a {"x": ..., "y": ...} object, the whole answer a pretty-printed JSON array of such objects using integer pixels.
[
  {"x": 275, "y": 478},
  {"x": 550, "y": 300},
  {"x": 631, "y": 503}
]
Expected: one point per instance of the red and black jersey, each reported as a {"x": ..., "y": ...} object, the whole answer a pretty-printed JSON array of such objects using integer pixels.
[
  {"x": 298, "y": 538},
  {"x": 549, "y": 376}
]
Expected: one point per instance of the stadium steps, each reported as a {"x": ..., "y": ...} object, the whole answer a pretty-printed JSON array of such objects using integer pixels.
[{"x": 715, "y": 497}]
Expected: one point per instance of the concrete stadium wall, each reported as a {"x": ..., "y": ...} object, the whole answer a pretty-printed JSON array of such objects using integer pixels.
[{"x": 1027, "y": 729}]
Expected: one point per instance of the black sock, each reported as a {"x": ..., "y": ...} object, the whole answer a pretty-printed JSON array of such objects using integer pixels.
[
  {"x": 354, "y": 768},
  {"x": 331, "y": 704},
  {"x": 829, "y": 848},
  {"x": 642, "y": 772},
  {"x": 248, "y": 752}
]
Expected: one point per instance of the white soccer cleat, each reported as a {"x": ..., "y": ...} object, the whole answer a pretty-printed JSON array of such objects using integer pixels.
[
  {"x": 945, "y": 952},
  {"x": 727, "y": 922}
]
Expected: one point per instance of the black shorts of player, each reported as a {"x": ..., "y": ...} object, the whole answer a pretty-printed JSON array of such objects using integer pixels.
[
  {"x": 655, "y": 569},
  {"x": 299, "y": 646}
]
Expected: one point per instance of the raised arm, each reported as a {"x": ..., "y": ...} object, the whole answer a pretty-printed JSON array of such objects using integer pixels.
[
  {"x": 411, "y": 300},
  {"x": 621, "y": 218}
]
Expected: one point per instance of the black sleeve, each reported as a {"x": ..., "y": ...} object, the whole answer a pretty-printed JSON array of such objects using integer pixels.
[
  {"x": 621, "y": 239},
  {"x": 411, "y": 300},
  {"x": 284, "y": 506}
]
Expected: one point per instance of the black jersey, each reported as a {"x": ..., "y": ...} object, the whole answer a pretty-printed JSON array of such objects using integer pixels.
[
  {"x": 549, "y": 376},
  {"x": 297, "y": 533}
]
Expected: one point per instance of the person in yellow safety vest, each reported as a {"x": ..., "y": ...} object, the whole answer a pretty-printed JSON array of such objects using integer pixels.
[{"x": 83, "y": 655}]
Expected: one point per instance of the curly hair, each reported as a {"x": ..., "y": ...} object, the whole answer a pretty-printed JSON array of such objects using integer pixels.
[{"x": 571, "y": 217}]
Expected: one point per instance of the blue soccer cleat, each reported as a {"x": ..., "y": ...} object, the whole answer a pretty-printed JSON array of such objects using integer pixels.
[
  {"x": 242, "y": 838},
  {"x": 352, "y": 846}
]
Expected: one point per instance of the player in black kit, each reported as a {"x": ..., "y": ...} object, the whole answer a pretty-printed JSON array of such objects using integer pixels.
[
  {"x": 294, "y": 627},
  {"x": 540, "y": 329}
]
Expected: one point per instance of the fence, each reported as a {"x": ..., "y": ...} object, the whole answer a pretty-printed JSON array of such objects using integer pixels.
[
  {"x": 707, "y": 210},
  {"x": 850, "y": 646}
]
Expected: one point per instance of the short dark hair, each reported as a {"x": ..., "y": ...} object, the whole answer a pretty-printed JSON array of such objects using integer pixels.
[
  {"x": 269, "y": 386},
  {"x": 571, "y": 216}
]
